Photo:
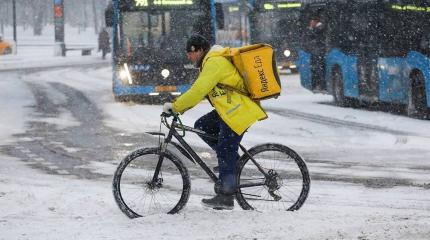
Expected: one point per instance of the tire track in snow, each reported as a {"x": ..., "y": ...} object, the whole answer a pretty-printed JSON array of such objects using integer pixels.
[{"x": 339, "y": 123}]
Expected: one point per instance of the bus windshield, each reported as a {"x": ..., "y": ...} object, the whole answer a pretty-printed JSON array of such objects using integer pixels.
[{"x": 163, "y": 32}]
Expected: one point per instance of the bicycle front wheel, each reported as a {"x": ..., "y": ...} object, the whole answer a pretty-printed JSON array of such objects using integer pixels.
[
  {"x": 140, "y": 190},
  {"x": 279, "y": 181}
]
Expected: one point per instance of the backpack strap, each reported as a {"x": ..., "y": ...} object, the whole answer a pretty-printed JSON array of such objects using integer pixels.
[
  {"x": 231, "y": 89},
  {"x": 228, "y": 53}
]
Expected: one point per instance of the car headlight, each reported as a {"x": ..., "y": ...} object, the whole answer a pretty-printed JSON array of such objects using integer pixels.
[
  {"x": 165, "y": 73},
  {"x": 287, "y": 53}
]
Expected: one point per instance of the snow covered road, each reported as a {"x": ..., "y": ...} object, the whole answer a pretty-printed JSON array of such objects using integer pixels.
[{"x": 370, "y": 170}]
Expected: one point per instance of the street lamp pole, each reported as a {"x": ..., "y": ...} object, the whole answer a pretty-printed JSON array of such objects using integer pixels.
[{"x": 14, "y": 26}]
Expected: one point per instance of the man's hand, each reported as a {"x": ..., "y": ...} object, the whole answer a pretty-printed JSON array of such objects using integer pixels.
[{"x": 167, "y": 108}]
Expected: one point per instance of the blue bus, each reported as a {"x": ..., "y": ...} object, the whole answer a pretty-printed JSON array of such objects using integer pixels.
[
  {"x": 374, "y": 52},
  {"x": 148, "y": 38}
]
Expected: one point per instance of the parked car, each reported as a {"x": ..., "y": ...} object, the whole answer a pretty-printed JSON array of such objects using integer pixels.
[{"x": 5, "y": 47}]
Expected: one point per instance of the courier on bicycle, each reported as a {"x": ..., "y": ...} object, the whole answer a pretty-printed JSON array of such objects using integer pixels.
[{"x": 234, "y": 112}]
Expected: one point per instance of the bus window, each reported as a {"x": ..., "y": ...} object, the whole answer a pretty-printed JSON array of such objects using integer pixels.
[
  {"x": 424, "y": 45},
  {"x": 277, "y": 22},
  {"x": 142, "y": 30},
  {"x": 264, "y": 27},
  {"x": 135, "y": 29},
  {"x": 364, "y": 27},
  {"x": 235, "y": 24}
]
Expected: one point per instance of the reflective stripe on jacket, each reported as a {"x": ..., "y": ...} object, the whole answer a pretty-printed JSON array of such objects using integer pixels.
[{"x": 238, "y": 111}]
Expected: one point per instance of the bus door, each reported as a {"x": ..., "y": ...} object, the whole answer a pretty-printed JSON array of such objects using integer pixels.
[
  {"x": 313, "y": 21},
  {"x": 416, "y": 17},
  {"x": 364, "y": 26}
]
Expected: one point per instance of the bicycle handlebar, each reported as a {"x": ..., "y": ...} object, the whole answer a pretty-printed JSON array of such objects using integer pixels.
[
  {"x": 175, "y": 119},
  {"x": 166, "y": 115}
]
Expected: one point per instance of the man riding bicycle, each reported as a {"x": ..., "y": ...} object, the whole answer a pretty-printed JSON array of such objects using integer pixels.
[{"x": 234, "y": 112}]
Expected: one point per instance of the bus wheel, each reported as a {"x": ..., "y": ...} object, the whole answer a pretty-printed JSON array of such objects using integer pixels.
[
  {"x": 417, "y": 99},
  {"x": 339, "y": 97}
]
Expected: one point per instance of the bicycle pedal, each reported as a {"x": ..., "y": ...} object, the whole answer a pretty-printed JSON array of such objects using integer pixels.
[{"x": 223, "y": 208}]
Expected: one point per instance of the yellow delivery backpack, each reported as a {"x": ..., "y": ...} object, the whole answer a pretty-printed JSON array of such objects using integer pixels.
[{"x": 256, "y": 64}]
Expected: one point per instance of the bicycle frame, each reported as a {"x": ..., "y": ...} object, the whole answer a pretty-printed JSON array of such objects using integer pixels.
[
  {"x": 255, "y": 186},
  {"x": 191, "y": 154}
]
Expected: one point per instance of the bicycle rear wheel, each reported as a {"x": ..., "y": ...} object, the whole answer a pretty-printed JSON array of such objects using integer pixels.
[
  {"x": 138, "y": 193},
  {"x": 284, "y": 186}
]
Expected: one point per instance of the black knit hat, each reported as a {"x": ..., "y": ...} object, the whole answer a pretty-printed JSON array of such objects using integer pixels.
[{"x": 196, "y": 42}]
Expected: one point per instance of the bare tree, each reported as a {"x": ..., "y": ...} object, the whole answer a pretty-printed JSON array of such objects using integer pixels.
[
  {"x": 96, "y": 24},
  {"x": 36, "y": 14},
  {"x": 4, "y": 15}
]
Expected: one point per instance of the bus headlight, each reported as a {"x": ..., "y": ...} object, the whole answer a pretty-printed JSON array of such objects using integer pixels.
[
  {"x": 124, "y": 74},
  {"x": 287, "y": 53},
  {"x": 165, "y": 73}
]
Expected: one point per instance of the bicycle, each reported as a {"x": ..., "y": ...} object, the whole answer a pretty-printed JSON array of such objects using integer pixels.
[{"x": 158, "y": 181}]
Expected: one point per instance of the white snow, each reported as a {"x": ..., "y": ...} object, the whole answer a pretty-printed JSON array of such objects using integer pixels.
[
  {"x": 39, "y": 51},
  {"x": 35, "y": 205},
  {"x": 13, "y": 111}
]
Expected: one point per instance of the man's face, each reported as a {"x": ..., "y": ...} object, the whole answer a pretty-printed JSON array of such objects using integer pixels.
[
  {"x": 313, "y": 23},
  {"x": 195, "y": 56}
]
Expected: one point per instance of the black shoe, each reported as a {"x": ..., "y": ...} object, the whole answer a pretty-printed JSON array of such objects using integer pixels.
[
  {"x": 216, "y": 169},
  {"x": 220, "y": 202}
]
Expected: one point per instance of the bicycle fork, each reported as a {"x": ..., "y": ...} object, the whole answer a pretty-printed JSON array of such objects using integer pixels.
[{"x": 156, "y": 181}]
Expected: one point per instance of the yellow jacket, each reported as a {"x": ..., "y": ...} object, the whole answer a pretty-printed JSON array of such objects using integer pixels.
[{"x": 238, "y": 111}]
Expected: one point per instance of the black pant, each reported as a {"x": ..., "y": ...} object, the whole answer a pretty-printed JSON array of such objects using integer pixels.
[
  {"x": 226, "y": 147},
  {"x": 104, "y": 52}
]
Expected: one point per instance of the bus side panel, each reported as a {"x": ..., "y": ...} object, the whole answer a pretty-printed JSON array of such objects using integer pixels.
[
  {"x": 416, "y": 60},
  {"x": 393, "y": 80},
  {"x": 183, "y": 88},
  {"x": 120, "y": 90},
  {"x": 348, "y": 65},
  {"x": 304, "y": 64}
]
